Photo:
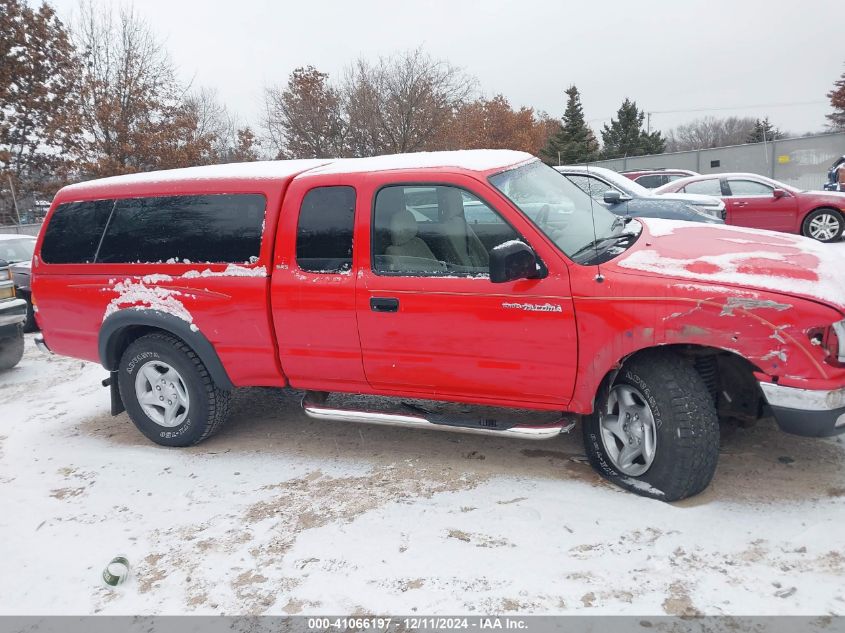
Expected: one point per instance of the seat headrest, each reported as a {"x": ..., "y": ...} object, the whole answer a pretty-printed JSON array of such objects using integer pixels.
[
  {"x": 403, "y": 227},
  {"x": 451, "y": 203}
]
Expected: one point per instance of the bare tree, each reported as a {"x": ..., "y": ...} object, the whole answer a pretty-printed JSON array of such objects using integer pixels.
[
  {"x": 401, "y": 103},
  {"x": 305, "y": 119},
  {"x": 129, "y": 91},
  {"x": 709, "y": 132}
]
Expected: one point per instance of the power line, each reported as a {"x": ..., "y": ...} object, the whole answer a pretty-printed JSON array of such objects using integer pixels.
[{"x": 719, "y": 109}]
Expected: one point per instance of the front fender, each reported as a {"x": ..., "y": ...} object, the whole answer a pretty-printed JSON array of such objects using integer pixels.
[{"x": 769, "y": 330}]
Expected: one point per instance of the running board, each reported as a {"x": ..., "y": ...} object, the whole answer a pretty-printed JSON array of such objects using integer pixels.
[{"x": 320, "y": 411}]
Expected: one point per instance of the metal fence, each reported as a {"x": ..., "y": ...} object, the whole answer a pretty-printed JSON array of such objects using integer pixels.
[
  {"x": 800, "y": 162},
  {"x": 21, "y": 229}
]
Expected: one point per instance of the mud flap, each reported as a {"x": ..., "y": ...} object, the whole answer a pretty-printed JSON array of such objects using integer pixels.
[{"x": 114, "y": 391}]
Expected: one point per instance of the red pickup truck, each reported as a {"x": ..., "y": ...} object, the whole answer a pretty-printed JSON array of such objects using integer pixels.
[{"x": 481, "y": 277}]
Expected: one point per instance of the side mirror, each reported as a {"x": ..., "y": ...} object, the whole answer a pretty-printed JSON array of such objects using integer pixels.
[
  {"x": 511, "y": 261},
  {"x": 778, "y": 193},
  {"x": 611, "y": 196}
]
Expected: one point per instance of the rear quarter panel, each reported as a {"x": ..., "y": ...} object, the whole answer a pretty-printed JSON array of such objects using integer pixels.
[{"x": 229, "y": 305}]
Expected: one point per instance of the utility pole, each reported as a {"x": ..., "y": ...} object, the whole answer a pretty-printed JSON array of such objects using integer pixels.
[
  {"x": 648, "y": 123},
  {"x": 14, "y": 199}
]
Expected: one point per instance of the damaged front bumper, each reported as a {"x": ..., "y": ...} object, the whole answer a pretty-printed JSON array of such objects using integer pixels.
[{"x": 806, "y": 412}]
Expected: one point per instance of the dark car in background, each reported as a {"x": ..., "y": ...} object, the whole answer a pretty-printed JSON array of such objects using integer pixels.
[
  {"x": 762, "y": 203},
  {"x": 12, "y": 317},
  {"x": 657, "y": 177},
  {"x": 17, "y": 250},
  {"x": 626, "y": 198}
]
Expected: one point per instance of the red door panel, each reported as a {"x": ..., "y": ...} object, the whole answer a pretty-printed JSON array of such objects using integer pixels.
[
  {"x": 470, "y": 337},
  {"x": 466, "y": 338}
]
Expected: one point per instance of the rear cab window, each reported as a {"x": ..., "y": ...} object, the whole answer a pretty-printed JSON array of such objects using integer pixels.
[
  {"x": 325, "y": 229},
  {"x": 209, "y": 228},
  {"x": 74, "y": 232}
]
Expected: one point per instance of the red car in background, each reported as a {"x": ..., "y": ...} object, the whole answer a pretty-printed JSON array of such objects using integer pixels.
[
  {"x": 657, "y": 177},
  {"x": 762, "y": 203}
]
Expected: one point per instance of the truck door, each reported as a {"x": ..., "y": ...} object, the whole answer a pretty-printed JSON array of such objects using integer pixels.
[
  {"x": 432, "y": 323},
  {"x": 313, "y": 289}
]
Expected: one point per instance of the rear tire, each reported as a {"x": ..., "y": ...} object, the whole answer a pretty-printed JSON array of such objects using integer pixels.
[
  {"x": 168, "y": 392},
  {"x": 11, "y": 351},
  {"x": 659, "y": 406},
  {"x": 29, "y": 325},
  {"x": 824, "y": 225}
]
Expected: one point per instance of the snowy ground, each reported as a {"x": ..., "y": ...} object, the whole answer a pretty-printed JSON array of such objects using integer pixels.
[{"x": 282, "y": 514}]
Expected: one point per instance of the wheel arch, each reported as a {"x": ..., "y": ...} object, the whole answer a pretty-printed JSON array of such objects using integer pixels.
[
  {"x": 123, "y": 327},
  {"x": 822, "y": 207},
  {"x": 712, "y": 364}
]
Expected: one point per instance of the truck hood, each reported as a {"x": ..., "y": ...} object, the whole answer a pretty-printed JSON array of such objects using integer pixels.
[{"x": 752, "y": 259}]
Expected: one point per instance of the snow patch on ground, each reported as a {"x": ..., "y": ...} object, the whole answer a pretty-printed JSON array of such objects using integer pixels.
[{"x": 280, "y": 514}]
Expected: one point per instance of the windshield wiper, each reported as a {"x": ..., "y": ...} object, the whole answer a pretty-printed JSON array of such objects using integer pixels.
[{"x": 594, "y": 245}]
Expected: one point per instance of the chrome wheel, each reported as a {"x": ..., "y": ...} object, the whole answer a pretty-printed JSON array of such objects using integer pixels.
[
  {"x": 162, "y": 393},
  {"x": 824, "y": 226},
  {"x": 628, "y": 431}
]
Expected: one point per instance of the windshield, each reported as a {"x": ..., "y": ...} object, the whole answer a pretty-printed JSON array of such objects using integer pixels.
[
  {"x": 17, "y": 250},
  {"x": 559, "y": 208}
]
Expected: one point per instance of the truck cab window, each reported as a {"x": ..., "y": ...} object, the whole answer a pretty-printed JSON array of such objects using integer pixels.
[
  {"x": 435, "y": 230},
  {"x": 324, "y": 232}
]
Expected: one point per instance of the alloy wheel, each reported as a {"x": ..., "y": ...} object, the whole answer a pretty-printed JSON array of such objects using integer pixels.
[
  {"x": 162, "y": 394},
  {"x": 628, "y": 430}
]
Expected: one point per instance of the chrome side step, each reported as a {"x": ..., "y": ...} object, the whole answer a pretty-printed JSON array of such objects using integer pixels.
[{"x": 320, "y": 411}]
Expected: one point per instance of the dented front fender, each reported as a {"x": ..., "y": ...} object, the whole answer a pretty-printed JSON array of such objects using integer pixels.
[{"x": 627, "y": 313}]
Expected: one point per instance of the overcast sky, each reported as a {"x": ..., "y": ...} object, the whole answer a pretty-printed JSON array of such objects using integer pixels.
[{"x": 743, "y": 57}]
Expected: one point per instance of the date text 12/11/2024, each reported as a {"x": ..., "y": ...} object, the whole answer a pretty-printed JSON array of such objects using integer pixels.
[{"x": 415, "y": 623}]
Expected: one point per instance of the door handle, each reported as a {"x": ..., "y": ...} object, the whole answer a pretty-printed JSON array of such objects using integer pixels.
[
  {"x": 384, "y": 304},
  {"x": 740, "y": 204}
]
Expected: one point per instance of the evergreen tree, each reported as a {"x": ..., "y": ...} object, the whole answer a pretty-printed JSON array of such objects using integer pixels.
[
  {"x": 625, "y": 135},
  {"x": 837, "y": 100},
  {"x": 763, "y": 131},
  {"x": 574, "y": 142}
]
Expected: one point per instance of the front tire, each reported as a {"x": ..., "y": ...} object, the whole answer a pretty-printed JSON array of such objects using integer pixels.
[
  {"x": 654, "y": 430},
  {"x": 168, "y": 392},
  {"x": 824, "y": 225}
]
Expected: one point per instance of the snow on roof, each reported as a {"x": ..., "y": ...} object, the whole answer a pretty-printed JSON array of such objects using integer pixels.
[
  {"x": 471, "y": 159},
  {"x": 475, "y": 160},
  {"x": 257, "y": 170}
]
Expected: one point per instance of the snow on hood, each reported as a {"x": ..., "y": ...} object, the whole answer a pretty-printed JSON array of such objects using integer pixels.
[{"x": 736, "y": 256}]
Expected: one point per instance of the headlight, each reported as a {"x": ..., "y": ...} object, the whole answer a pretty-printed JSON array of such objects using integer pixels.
[
  {"x": 839, "y": 329},
  {"x": 832, "y": 340},
  {"x": 711, "y": 212}
]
